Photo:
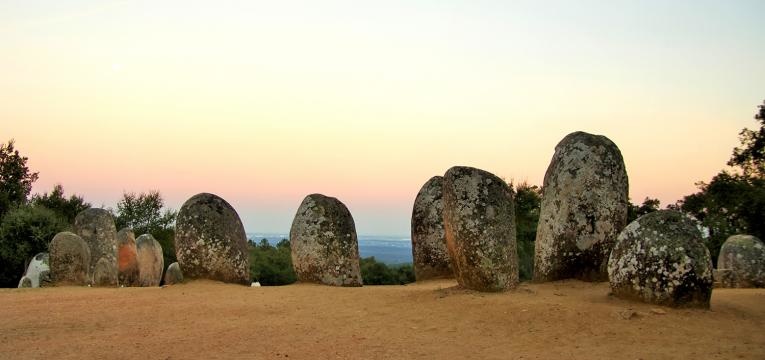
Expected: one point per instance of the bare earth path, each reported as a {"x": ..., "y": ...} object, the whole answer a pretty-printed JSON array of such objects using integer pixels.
[{"x": 432, "y": 320}]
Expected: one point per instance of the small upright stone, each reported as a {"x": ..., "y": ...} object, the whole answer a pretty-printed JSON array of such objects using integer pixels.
[
  {"x": 25, "y": 282},
  {"x": 69, "y": 259},
  {"x": 741, "y": 262},
  {"x": 324, "y": 246},
  {"x": 104, "y": 274},
  {"x": 584, "y": 206},
  {"x": 660, "y": 259},
  {"x": 479, "y": 223},
  {"x": 127, "y": 262},
  {"x": 431, "y": 258},
  {"x": 173, "y": 275},
  {"x": 150, "y": 260},
  {"x": 210, "y": 242},
  {"x": 96, "y": 227},
  {"x": 38, "y": 271}
]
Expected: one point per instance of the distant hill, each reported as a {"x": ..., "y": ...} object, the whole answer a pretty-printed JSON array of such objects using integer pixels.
[{"x": 385, "y": 248}]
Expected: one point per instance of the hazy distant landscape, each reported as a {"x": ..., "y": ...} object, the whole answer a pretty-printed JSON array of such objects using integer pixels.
[{"x": 389, "y": 249}]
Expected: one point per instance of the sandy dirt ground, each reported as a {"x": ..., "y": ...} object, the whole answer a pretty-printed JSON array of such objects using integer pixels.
[{"x": 431, "y": 320}]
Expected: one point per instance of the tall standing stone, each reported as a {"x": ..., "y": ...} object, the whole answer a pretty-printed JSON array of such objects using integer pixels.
[
  {"x": 69, "y": 259},
  {"x": 660, "y": 259},
  {"x": 96, "y": 227},
  {"x": 127, "y": 262},
  {"x": 742, "y": 262},
  {"x": 150, "y": 260},
  {"x": 479, "y": 223},
  {"x": 210, "y": 242},
  {"x": 584, "y": 207},
  {"x": 429, "y": 252},
  {"x": 324, "y": 245}
]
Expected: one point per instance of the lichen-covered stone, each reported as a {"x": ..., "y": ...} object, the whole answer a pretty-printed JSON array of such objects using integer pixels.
[
  {"x": 324, "y": 245},
  {"x": 96, "y": 227},
  {"x": 105, "y": 274},
  {"x": 69, "y": 259},
  {"x": 584, "y": 207},
  {"x": 150, "y": 260},
  {"x": 38, "y": 271},
  {"x": 431, "y": 258},
  {"x": 660, "y": 259},
  {"x": 173, "y": 275},
  {"x": 479, "y": 224},
  {"x": 210, "y": 242},
  {"x": 741, "y": 262},
  {"x": 25, "y": 282},
  {"x": 127, "y": 262}
]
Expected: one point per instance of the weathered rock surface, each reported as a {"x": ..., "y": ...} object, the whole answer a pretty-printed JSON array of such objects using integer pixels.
[
  {"x": 324, "y": 245},
  {"x": 479, "y": 224},
  {"x": 69, "y": 259},
  {"x": 431, "y": 258},
  {"x": 25, "y": 282},
  {"x": 584, "y": 207},
  {"x": 660, "y": 258},
  {"x": 96, "y": 227},
  {"x": 210, "y": 242},
  {"x": 741, "y": 263},
  {"x": 127, "y": 262},
  {"x": 173, "y": 275},
  {"x": 150, "y": 260},
  {"x": 105, "y": 274},
  {"x": 38, "y": 271}
]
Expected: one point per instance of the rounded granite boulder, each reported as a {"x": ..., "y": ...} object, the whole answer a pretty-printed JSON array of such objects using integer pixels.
[
  {"x": 324, "y": 245},
  {"x": 25, "y": 282},
  {"x": 660, "y": 259},
  {"x": 105, "y": 274},
  {"x": 150, "y": 260},
  {"x": 584, "y": 207},
  {"x": 210, "y": 242},
  {"x": 38, "y": 271},
  {"x": 127, "y": 262},
  {"x": 429, "y": 252},
  {"x": 96, "y": 227},
  {"x": 69, "y": 259},
  {"x": 742, "y": 261},
  {"x": 173, "y": 275},
  {"x": 479, "y": 224}
]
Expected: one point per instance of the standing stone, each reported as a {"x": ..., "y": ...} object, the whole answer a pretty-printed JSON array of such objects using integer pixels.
[
  {"x": 742, "y": 262},
  {"x": 150, "y": 260},
  {"x": 104, "y": 274},
  {"x": 324, "y": 246},
  {"x": 479, "y": 223},
  {"x": 127, "y": 262},
  {"x": 69, "y": 259},
  {"x": 25, "y": 282},
  {"x": 431, "y": 258},
  {"x": 660, "y": 259},
  {"x": 584, "y": 206},
  {"x": 210, "y": 242},
  {"x": 96, "y": 227},
  {"x": 173, "y": 275},
  {"x": 38, "y": 271}
]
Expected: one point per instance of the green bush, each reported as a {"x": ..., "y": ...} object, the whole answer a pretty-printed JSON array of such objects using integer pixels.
[
  {"x": 24, "y": 232},
  {"x": 271, "y": 265},
  {"x": 377, "y": 273}
]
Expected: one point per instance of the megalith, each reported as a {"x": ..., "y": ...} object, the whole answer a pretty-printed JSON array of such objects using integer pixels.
[
  {"x": 210, "y": 242},
  {"x": 173, "y": 275},
  {"x": 38, "y": 271},
  {"x": 150, "y": 260},
  {"x": 660, "y": 259},
  {"x": 430, "y": 256},
  {"x": 742, "y": 262},
  {"x": 96, "y": 227},
  {"x": 104, "y": 274},
  {"x": 127, "y": 262},
  {"x": 584, "y": 207},
  {"x": 324, "y": 245},
  {"x": 69, "y": 259},
  {"x": 479, "y": 225}
]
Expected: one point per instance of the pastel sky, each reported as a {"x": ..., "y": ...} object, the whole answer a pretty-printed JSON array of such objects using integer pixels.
[{"x": 264, "y": 102}]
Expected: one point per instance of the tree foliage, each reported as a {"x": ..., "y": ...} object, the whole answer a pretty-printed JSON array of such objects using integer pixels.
[
  {"x": 24, "y": 232},
  {"x": 750, "y": 157},
  {"x": 68, "y": 208},
  {"x": 15, "y": 178},
  {"x": 649, "y": 205},
  {"x": 145, "y": 213},
  {"x": 378, "y": 273},
  {"x": 271, "y": 265},
  {"x": 528, "y": 199}
]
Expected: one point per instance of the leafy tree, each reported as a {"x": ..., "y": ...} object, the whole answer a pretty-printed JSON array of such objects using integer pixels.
[
  {"x": 528, "y": 199},
  {"x": 649, "y": 205},
  {"x": 378, "y": 273},
  {"x": 144, "y": 214},
  {"x": 750, "y": 157},
  {"x": 24, "y": 232},
  {"x": 56, "y": 201},
  {"x": 15, "y": 178},
  {"x": 271, "y": 265}
]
